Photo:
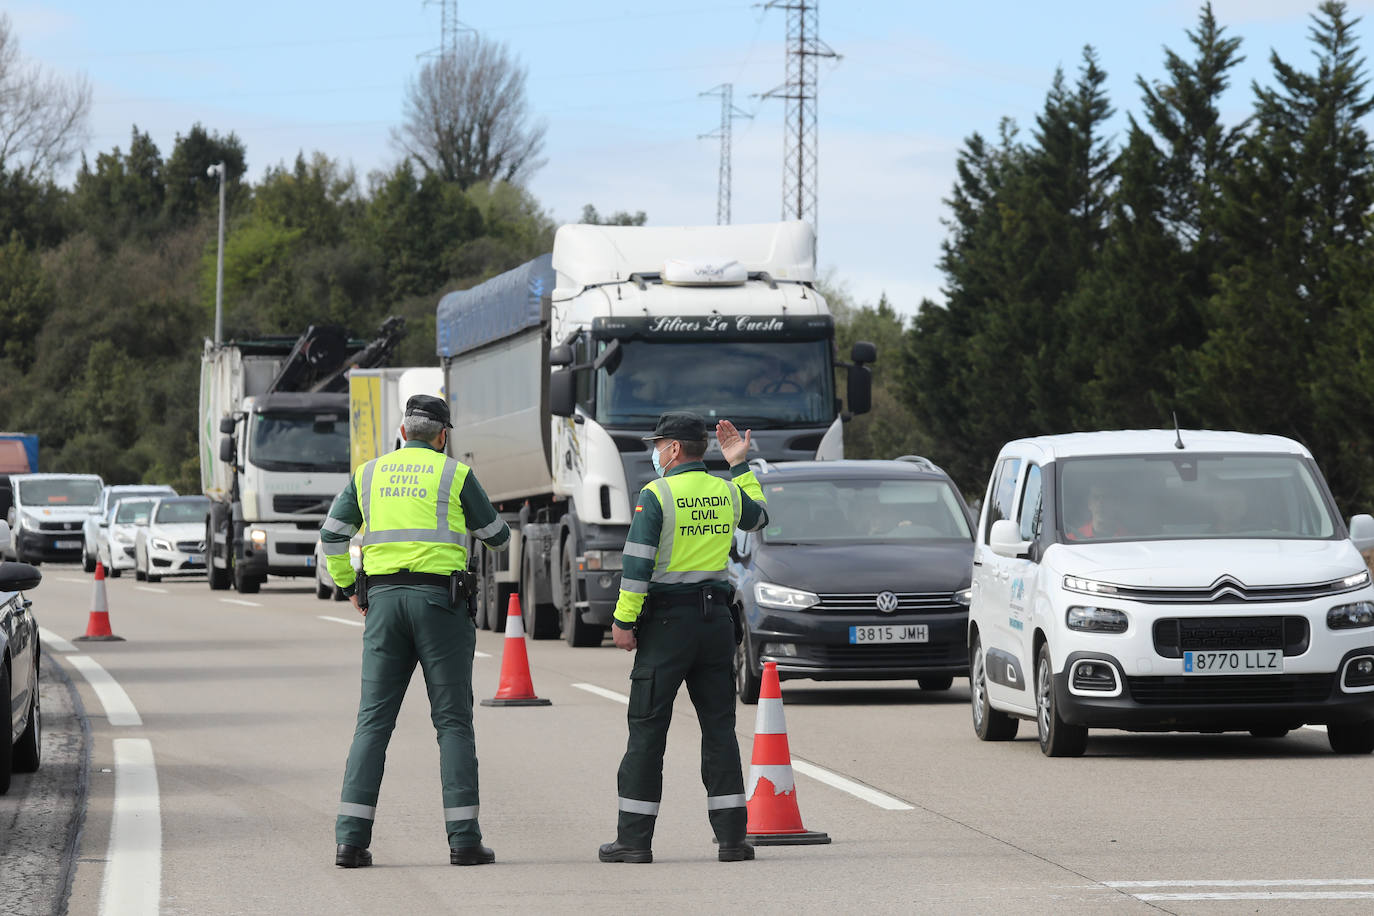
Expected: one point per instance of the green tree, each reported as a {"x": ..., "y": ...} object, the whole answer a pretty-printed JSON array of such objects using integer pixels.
[
  {"x": 26, "y": 300},
  {"x": 618, "y": 218},
  {"x": 124, "y": 195},
  {"x": 190, "y": 191}
]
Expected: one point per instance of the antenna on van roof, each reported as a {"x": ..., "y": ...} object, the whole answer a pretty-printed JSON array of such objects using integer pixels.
[{"x": 1178, "y": 433}]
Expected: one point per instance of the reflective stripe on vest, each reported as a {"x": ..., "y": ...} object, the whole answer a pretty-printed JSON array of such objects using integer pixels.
[
  {"x": 412, "y": 514},
  {"x": 694, "y": 539}
]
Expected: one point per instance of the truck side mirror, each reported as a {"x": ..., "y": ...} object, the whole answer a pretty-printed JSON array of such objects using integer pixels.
[
  {"x": 863, "y": 352},
  {"x": 609, "y": 358},
  {"x": 563, "y": 393},
  {"x": 860, "y": 389},
  {"x": 561, "y": 355},
  {"x": 1362, "y": 532},
  {"x": 226, "y": 450},
  {"x": 226, "y": 425}
]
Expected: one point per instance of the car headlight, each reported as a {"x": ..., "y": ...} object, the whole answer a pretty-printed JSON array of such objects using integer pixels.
[
  {"x": 602, "y": 559},
  {"x": 964, "y": 596},
  {"x": 124, "y": 537},
  {"x": 1096, "y": 619},
  {"x": 780, "y": 596},
  {"x": 1088, "y": 586},
  {"x": 161, "y": 544},
  {"x": 1351, "y": 616}
]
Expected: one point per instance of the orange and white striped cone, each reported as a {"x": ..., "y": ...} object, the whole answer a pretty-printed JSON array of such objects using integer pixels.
[
  {"x": 516, "y": 688},
  {"x": 771, "y": 793},
  {"x": 98, "y": 624}
]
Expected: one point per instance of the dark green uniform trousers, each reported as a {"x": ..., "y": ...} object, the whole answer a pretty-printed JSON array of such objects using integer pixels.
[
  {"x": 406, "y": 624},
  {"x": 682, "y": 638}
]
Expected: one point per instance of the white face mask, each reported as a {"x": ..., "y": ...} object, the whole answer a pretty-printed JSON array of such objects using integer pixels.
[{"x": 658, "y": 465}]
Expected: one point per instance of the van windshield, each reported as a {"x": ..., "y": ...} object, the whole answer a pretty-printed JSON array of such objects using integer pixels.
[
  {"x": 1167, "y": 497},
  {"x": 58, "y": 492},
  {"x": 853, "y": 511}
]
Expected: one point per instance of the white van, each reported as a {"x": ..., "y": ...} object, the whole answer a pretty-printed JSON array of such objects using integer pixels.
[{"x": 1168, "y": 581}]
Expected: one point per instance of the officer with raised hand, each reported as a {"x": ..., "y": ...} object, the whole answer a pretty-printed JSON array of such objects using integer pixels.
[
  {"x": 414, "y": 507},
  {"x": 674, "y": 612}
]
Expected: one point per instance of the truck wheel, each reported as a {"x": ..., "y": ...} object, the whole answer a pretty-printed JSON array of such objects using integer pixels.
[
  {"x": 28, "y": 750},
  {"x": 988, "y": 724},
  {"x": 218, "y": 578},
  {"x": 480, "y": 602},
  {"x": 576, "y": 633},
  {"x": 541, "y": 618},
  {"x": 245, "y": 584},
  {"x": 1057, "y": 738},
  {"x": 1351, "y": 738}
]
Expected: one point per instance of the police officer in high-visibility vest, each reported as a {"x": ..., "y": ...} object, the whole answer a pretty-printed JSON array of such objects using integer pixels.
[
  {"x": 413, "y": 506},
  {"x": 674, "y": 609}
]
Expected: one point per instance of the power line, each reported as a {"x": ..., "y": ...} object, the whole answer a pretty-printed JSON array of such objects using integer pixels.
[
  {"x": 728, "y": 113},
  {"x": 799, "y": 154}
]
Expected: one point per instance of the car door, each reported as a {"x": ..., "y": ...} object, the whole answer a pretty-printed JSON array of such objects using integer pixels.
[
  {"x": 19, "y": 634},
  {"x": 1023, "y": 573},
  {"x": 992, "y": 587}
]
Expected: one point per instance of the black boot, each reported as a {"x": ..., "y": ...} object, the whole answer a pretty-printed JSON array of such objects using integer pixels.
[
  {"x": 352, "y": 856},
  {"x": 615, "y": 852},
  {"x": 737, "y": 852},
  {"x": 471, "y": 855}
]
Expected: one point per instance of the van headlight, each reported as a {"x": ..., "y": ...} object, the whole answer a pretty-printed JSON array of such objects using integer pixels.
[
  {"x": 780, "y": 596},
  {"x": 1096, "y": 619},
  {"x": 1351, "y": 616},
  {"x": 1088, "y": 586}
]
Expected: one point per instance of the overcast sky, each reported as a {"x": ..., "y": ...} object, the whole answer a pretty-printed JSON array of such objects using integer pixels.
[{"x": 619, "y": 84}]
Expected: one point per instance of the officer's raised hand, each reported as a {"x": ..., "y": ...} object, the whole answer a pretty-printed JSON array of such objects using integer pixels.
[{"x": 734, "y": 449}]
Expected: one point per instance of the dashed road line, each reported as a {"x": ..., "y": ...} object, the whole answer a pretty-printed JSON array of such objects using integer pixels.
[
  {"x": 1260, "y": 895},
  {"x": 149, "y": 588},
  {"x": 477, "y": 654},
  {"x": 347, "y": 623},
  {"x": 844, "y": 784},
  {"x": 119, "y": 709},
  {"x": 1317, "y": 728},
  {"x": 241, "y": 601},
  {"x": 603, "y": 692},
  {"x": 1267, "y": 882},
  {"x": 133, "y": 869},
  {"x": 1260, "y": 889},
  {"x": 72, "y": 579},
  {"x": 53, "y": 641}
]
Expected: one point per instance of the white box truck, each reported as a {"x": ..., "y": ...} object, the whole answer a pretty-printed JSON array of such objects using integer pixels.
[
  {"x": 556, "y": 369},
  {"x": 274, "y": 447}
]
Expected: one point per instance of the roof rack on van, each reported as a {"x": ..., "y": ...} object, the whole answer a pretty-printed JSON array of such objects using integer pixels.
[
  {"x": 923, "y": 463},
  {"x": 760, "y": 465}
]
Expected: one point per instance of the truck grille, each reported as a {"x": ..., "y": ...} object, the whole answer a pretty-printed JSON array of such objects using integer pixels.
[
  {"x": 295, "y": 550},
  {"x": 301, "y": 503},
  {"x": 907, "y": 603},
  {"x": 1226, "y": 688},
  {"x": 1175, "y": 635}
]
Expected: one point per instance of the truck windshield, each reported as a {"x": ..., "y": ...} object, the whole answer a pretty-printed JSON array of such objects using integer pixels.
[
  {"x": 852, "y": 511},
  {"x": 1166, "y": 497},
  {"x": 759, "y": 383},
  {"x": 58, "y": 492},
  {"x": 299, "y": 442}
]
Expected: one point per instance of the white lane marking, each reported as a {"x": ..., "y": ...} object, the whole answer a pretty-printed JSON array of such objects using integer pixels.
[
  {"x": 133, "y": 869},
  {"x": 349, "y": 623},
  {"x": 119, "y": 709},
  {"x": 1264, "y": 895},
  {"x": 149, "y": 588},
  {"x": 477, "y": 654},
  {"x": 1294, "y": 882},
  {"x": 53, "y": 641},
  {"x": 241, "y": 601},
  {"x": 603, "y": 692},
  {"x": 1317, "y": 728},
  {"x": 856, "y": 789},
  {"x": 72, "y": 579}
]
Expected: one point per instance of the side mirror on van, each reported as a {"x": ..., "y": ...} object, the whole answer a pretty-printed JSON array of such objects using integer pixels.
[
  {"x": 1005, "y": 539},
  {"x": 6, "y": 539},
  {"x": 1362, "y": 532}
]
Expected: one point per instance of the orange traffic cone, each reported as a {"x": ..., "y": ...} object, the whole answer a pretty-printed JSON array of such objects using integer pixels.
[
  {"x": 98, "y": 624},
  {"x": 516, "y": 688},
  {"x": 772, "y": 792}
]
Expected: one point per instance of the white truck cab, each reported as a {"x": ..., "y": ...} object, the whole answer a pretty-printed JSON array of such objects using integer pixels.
[{"x": 1168, "y": 581}]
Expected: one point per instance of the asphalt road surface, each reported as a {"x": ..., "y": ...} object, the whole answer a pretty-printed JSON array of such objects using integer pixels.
[{"x": 219, "y": 728}]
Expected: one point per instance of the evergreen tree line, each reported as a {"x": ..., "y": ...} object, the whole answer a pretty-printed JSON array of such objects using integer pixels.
[
  {"x": 107, "y": 289},
  {"x": 1220, "y": 272}
]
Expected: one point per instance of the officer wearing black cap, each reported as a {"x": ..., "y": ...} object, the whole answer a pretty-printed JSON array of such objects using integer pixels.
[
  {"x": 674, "y": 612},
  {"x": 414, "y": 507}
]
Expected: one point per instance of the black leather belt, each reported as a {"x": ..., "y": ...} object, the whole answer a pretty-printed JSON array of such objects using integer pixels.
[{"x": 406, "y": 577}]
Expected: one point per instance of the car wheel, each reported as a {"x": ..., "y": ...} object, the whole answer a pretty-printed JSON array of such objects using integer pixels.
[
  {"x": 114, "y": 572},
  {"x": 87, "y": 561},
  {"x": 988, "y": 724},
  {"x": 6, "y": 748},
  {"x": 322, "y": 591},
  {"x": 1356, "y": 738},
  {"x": 338, "y": 594},
  {"x": 152, "y": 576},
  {"x": 1057, "y": 738},
  {"x": 140, "y": 573},
  {"x": 1270, "y": 731},
  {"x": 28, "y": 750},
  {"x": 576, "y": 632},
  {"x": 747, "y": 682},
  {"x": 934, "y": 684}
]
